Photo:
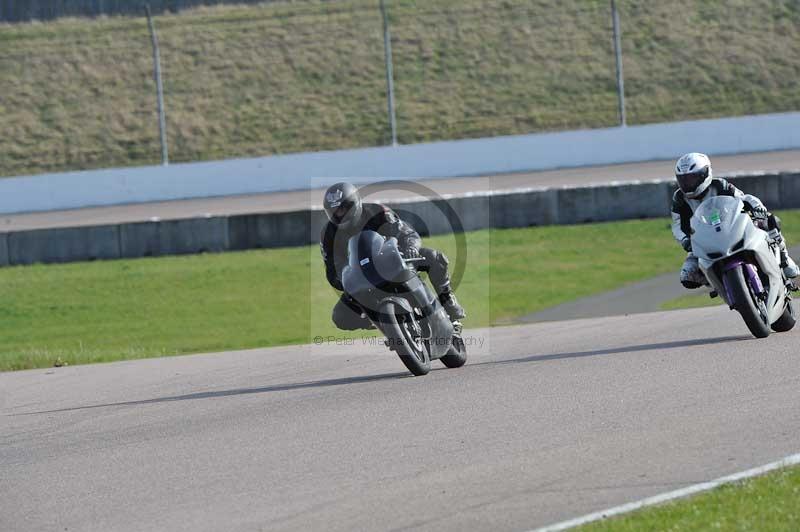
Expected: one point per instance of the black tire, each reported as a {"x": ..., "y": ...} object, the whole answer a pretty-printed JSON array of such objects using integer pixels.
[
  {"x": 398, "y": 326},
  {"x": 752, "y": 309},
  {"x": 786, "y": 321},
  {"x": 457, "y": 355}
]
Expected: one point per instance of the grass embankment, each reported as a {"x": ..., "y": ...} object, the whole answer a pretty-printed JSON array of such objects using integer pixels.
[
  {"x": 765, "y": 503},
  {"x": 309, "y": 75},
  {"x": 104, "y": 311}
]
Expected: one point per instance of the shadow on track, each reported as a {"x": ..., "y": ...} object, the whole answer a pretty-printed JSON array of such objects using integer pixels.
[
  {"x": 619, "y": 350},
  {"x": 240, "y": 391},
  {"x": 401, "y": 375}
]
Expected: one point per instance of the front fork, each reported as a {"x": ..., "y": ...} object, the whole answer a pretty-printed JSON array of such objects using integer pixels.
[{"x": 751, "y": 276}]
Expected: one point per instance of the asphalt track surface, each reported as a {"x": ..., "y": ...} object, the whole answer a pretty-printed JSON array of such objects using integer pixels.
[
  {"x": 644, "y": 296},
  {"x": 288, "y": 201},
  {"x": 635, "y": 298},
  {"x": 546, "y": 422}
]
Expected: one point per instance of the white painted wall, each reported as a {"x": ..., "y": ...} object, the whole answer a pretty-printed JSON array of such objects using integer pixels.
[{"x": 439, "y": 159}]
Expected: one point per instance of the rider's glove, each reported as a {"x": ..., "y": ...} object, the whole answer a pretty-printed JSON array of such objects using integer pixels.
[
  {"x": 759, "y": 211},
  {"x": 411, "y": 252},
  {"x": 686, "y": 243}
]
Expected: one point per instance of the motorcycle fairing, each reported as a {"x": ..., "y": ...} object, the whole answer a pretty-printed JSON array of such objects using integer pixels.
[
  {"x": 724, "y": 236},
  {"x": 376, "y": 271},
  {"x": 373, "y": 262}
]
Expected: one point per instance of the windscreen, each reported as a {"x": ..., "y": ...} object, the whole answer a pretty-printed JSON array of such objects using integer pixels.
[{"x": 714, "y": 211}]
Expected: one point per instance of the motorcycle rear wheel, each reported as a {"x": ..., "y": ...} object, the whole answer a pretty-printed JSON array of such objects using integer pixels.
[
  {"x": 404, "y": 338},
  {"x": 751, "y": 308},
  {"x": 786, "y": 321},
  {"x": 457, "y": 354}
]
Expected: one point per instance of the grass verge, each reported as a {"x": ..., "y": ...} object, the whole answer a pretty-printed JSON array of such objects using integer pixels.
[
  {"x": 247, "y": 80},
  {"x": 105, "y": 311},
  {"x": 763, "y": 503}
]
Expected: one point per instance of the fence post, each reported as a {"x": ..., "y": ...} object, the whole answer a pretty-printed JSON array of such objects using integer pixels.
[
  {"x": 162, "y": 121},
  {"x": 387, "y": 49},
  {"x": 618, "y": 52}
]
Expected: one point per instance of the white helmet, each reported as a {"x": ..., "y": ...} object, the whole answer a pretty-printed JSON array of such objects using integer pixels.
[{"x": 693, "y": 173}]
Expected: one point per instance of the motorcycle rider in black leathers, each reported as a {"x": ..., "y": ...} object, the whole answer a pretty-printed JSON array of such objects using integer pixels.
[{"x": 348, "y": 216}]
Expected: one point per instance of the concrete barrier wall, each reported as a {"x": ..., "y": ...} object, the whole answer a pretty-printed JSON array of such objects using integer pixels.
[
  {"x": 63, "y": 245},
  {"x": 790, "y": 191},
  {"x": 568, "y": 205},
  {"x": 3, "y": 249},
  {"x": 432, "y": 160},
  {"x": 174, "y": 237}
]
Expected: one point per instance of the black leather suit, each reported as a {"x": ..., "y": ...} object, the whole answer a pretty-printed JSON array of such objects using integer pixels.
[{"x": 383, "y": 220}]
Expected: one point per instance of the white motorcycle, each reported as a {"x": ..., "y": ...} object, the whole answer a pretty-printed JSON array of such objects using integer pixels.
[{"x": 742, "y": 264}]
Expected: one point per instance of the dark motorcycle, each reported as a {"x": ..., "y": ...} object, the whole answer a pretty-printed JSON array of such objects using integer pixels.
[{"x": 399, "y": 303}]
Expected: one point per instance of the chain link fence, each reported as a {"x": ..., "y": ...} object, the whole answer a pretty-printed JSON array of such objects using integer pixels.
[
  {"x": 27, "y": 10},
  {"x": 282, "y": 77}
]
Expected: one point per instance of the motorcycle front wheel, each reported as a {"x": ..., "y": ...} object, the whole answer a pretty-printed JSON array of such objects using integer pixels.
[
  {"x": 404, "y": 336},
  {"x": 752, "y": 309}
]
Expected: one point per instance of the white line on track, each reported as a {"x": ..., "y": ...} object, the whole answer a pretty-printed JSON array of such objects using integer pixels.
[{"x": 677, "y": 494}]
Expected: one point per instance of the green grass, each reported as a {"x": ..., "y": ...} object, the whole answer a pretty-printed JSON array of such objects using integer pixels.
[
  {"x": 104, "y": 311},
  {"x": 309, "y": 75},
  {"x": 764, "y": 503}
]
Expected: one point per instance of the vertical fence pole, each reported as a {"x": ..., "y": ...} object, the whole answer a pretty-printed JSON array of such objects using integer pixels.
[
  {"x": 618, "y": 52},
  {"x": 162, "y": 121},
  {"x": 387, "y": 48}
]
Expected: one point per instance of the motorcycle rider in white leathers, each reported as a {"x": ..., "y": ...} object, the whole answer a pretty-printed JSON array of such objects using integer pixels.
[{"x": 695, "y": 184}]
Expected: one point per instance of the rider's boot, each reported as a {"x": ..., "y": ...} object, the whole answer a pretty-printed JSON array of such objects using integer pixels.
[
  {"x": 790, "y": 269},
  {"x": 691, "y": 275},
  {"x": 448, "y": 300},
  {"x": 440, "y": 279}
]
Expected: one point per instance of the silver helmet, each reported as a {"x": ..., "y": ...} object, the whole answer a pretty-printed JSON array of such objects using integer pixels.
[{"x": 693, "y": 173}]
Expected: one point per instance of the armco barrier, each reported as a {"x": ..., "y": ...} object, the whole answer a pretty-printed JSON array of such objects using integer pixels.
[{"x": 569, "y": 205}]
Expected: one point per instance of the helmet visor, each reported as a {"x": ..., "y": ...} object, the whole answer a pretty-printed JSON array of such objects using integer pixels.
[
  {"x": 689, "y": 182},
  {"x": 342, "y": 213}
]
